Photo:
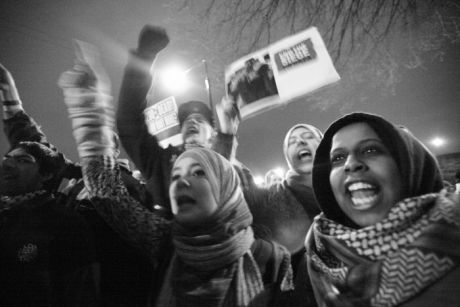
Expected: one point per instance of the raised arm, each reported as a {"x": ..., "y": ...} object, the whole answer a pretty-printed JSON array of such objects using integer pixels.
[
  {"x": 153, "y": 161},
  {"x": 18, "y": 126},
  {"x": 142, "y": 148},
  {"x": 86, "y": 90}
]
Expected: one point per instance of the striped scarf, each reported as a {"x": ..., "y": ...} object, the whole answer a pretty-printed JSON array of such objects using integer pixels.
[
  {"x": 215, "y": 266},
  {"x": 389, "y": 262},
  {"x": 224, "y": 274}
]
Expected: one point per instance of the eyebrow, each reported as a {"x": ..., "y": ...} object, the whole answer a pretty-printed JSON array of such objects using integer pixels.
[
  {"x": 359, "y": 144},
  {"x": 193, "y": 165}
]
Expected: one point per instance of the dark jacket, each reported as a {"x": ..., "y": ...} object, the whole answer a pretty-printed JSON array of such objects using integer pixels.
[
  {"x": 126, "y": 274},
  {"x": 47, "y": 256},
  {"x": 283, "y": 213}
]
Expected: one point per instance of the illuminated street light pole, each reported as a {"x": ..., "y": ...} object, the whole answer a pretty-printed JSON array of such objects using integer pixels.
[
  {"x": 174, "y": 79},
  {"x": 207, "y": 83}
]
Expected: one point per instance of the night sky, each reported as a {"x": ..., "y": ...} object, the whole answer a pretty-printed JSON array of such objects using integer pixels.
[{"x": 36, "y": 46}]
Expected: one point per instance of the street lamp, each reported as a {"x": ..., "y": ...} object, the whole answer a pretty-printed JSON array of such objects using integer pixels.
[
  {"x": 438, "y": 142},
  {"x": 174, "y": 79}
]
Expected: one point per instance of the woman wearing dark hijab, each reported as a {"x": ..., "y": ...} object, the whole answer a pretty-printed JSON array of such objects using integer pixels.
[{"x": 387, "y": 236}]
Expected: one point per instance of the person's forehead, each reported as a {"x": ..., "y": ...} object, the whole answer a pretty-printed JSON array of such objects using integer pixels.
[
  {"x": 195, "y": 115},
  {"x": 186, "y": 162},
  {"x": 301, "y": 130},
  {"x": 354, "y": 133}
]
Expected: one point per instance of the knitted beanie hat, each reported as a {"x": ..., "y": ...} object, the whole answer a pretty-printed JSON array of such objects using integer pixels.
[{"x": 49, "y": 161}]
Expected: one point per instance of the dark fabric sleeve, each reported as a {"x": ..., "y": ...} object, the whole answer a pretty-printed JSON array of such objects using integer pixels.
[
  {"x": 137, "y": 225},
  {"x": 258, "y": 198},
  {"x": 142, "y": 148},
  {"x": 153, "y": 161},
  {"x": 225, "y": 144},
  {"x": 22, "y": 127}
]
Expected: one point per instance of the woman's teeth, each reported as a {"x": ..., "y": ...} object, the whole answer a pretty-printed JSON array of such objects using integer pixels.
[
  {"x": 303, "y": 154},
  {"x": 360, "y": 186},
  {"x": 363, "y": 200},
  {"x": 363, "y": 194}
]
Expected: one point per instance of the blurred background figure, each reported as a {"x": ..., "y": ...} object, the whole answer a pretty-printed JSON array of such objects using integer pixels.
[{"x": 273, "y": 176}]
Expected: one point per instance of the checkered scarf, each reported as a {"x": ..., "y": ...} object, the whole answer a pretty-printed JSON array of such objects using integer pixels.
[
  {"x": 389, "y": 262},
  {"x": 9, "y": 202}
]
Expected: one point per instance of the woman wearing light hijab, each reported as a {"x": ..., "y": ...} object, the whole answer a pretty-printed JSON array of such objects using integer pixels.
[
  {"x": 387, "y": 235},
  {"x": 283, "y": 212},
  {"x": 216, "y": 260}
]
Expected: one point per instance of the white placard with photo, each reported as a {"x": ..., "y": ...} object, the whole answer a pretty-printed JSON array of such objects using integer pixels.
[{"x": 285, "y": 70}]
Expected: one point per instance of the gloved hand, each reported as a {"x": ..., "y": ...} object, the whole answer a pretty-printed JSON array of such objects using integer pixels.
[
  {"x": 152, "y": 40},
  {"x": 86, "y": 90},
  {"x": 9, "y": 95},
  {"x": 229, "y": 116},
  {"x": 87, "y": 73},
  {"x": 7, "y": 86}
]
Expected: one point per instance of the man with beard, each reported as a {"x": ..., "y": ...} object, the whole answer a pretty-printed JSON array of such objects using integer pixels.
[{"x": 195, "y": 118}]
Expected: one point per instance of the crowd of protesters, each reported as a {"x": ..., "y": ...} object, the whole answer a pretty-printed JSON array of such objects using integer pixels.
[{"x": 361, "y": 218}]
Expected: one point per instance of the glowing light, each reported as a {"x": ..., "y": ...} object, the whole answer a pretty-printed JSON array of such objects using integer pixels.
[
  {"x": 438, "y": 142},
  {"x": 174, "y": 79},
  {"x": 279, "y": 171},
  {"x": 259, "y": 180}
]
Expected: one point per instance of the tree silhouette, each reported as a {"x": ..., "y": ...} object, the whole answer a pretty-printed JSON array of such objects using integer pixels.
[{"x": 369, "y": 41}]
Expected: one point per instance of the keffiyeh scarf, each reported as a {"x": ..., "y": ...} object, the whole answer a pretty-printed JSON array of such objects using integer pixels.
[
  {"x": 9, "y": 202},
  {"x": 389, "y": 262}
]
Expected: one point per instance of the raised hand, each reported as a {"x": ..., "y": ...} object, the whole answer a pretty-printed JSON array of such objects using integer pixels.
[
  {"x": 87, "y": 72},
  {"x": 86, "y": 90},
  {"x": 152, "y": 40},
  {"x": 8, "y": 90},
  {"x": 228, "y": 114}
]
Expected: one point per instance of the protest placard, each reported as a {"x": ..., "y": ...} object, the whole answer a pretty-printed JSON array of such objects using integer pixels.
[
  {"x": 162, "y": 121},
  {"x": 276, "y": 75}
]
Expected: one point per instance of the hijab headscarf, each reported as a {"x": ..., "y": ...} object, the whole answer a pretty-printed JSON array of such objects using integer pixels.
[
  {"x": 417, "y": 166},
  {"x": 387, "y": 263},
  {"x": 294, "y": 178},
  {"x": 317, "y": 134},
  {"x": 215, "y": 266}
]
